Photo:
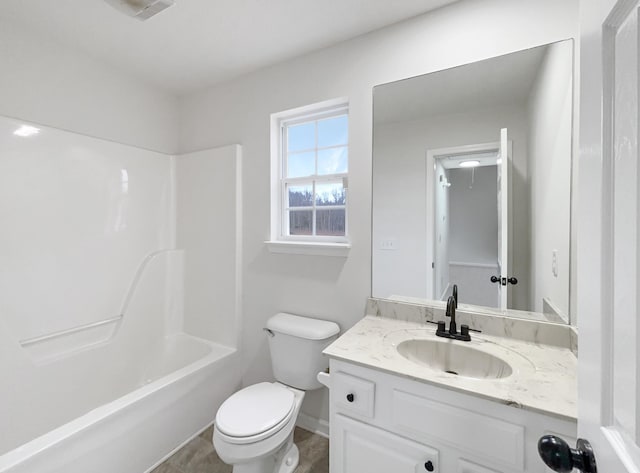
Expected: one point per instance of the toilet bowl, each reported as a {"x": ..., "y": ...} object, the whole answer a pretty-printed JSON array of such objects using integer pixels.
[
  {"x": 254, "y": 427},
  {"x": 263, "y": 442}
]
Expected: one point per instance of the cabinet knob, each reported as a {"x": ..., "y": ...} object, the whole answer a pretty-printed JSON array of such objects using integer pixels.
[
  {"x": 350, "y": 397},
  {"x": 428, "y": 466}
]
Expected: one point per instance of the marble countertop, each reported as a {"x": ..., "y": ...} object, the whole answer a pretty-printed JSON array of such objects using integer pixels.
[{"x": 543, "y": 378}]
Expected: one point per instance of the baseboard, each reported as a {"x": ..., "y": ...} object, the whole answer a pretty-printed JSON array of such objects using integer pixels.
[{"x": 317, "y": 426}]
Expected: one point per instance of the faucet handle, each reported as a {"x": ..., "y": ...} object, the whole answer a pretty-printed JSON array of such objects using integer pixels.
[{"x": 464, "y": 333}]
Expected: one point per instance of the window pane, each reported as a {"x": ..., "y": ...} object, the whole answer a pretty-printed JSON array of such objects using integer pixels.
[
  {"x": 333, "y": 131},
  {"x": 331, "y": 193},
  {"x": 330, "y": 222},
  {"x": 301, "y": 164},
  {"x": 300, "y": 196},
  {"x": 300, "y": 222},
  {"x": 301, "y": 136},
  {"x": 332, "y": 161}
]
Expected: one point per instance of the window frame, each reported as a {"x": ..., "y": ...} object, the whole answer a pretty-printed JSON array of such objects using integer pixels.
[{"x": 280, "y": 209}]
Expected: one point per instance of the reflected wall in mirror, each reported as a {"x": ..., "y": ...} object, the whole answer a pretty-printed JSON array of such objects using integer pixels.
[{"x": 472, "y": 176}]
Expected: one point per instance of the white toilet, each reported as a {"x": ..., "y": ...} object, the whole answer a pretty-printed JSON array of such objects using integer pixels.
[{"x": 254, "y": 427}]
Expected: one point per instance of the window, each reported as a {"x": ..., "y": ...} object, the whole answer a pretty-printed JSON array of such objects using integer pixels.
[{"x": 312, "y": 174}]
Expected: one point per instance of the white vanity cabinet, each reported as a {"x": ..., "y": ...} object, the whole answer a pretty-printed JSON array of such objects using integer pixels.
[{"x": 386, "y": 423}]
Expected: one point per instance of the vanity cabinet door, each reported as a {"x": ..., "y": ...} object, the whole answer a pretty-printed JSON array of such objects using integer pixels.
[
  {"x": 360, "y": 448},
  {"x": 465, "y": 466}
]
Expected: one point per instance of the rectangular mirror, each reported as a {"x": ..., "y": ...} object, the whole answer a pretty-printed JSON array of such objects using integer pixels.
[{"x": 472, "y": 174}]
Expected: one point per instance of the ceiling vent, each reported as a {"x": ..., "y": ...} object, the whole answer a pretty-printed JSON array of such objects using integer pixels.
[{"x": 140, "y": 9}]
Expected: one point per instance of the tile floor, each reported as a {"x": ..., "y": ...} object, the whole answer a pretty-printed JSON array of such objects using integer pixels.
[{"x": 198, "y": 456}]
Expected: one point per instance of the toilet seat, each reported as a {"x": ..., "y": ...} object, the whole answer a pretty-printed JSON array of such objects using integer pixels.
[{"x": 255, "y": 413}]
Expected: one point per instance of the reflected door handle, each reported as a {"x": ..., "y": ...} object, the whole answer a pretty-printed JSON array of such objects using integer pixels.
[
  {"x": 558, "y": 456},
  {"x": 512, "y": 280}
]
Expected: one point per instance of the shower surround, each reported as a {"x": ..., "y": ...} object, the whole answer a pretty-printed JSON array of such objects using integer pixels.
[{"x": 119, "y": 299}]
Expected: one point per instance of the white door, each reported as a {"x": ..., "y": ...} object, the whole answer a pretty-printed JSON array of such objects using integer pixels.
[
  {"x": 503, "y": 220},
  {"x": 609, "y": 376}
]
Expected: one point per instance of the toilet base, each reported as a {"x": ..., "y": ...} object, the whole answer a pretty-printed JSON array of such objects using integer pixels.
[
  {"x": 290, "y": 460},
  {"x": 279, "y": 463}
]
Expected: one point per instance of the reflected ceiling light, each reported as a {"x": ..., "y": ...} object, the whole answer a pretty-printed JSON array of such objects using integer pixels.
[
  {"x": 499, "y": 161},
  {"x": 26, "y": 130},
  {"x": 469, "y": 164}
]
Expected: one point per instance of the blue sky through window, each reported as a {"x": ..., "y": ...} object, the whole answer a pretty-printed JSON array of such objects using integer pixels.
[
  {"x": 332, "y": 161},
  {"x": 301, "y": 137},
  {"x": 301, "y": 164},
  {"x": 331, "y": 133}
]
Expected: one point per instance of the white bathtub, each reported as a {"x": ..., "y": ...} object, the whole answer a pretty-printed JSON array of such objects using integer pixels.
[{"x": 128, "y": 414}]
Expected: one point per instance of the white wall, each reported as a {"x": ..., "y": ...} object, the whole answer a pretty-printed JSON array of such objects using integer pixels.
[
  {"x": 550, "y": 121},
  {"x": 402, "y": 192},
  {"x": 238, "y": 112},
  {"x": 49, "y": 84}
]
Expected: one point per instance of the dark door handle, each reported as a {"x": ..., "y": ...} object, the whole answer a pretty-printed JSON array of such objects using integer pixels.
[
  {"x": 512, "y": 280},
  {"x": 558, "y": 456}
]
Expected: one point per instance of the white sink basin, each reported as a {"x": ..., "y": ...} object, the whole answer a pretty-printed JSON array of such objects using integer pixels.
[{"x": 455, "y": 358}]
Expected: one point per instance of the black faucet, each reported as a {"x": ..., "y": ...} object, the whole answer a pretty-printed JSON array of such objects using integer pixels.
[
  {"x": 453, "y": 329},
  {"x": 454, "y": 293},
  {"x": 451, "y": 312}
]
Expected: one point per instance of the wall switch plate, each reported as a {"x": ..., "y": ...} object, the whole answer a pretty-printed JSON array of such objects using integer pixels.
[{"x": 388, "y": 244}]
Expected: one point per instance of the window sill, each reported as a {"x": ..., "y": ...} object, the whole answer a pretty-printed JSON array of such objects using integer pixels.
[{"x": 309, "y": 248}]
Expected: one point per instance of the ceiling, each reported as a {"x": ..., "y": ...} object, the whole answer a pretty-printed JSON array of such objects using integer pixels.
[
  {"x": 197, "y": 43},
  {"x": 496, "y": 82}
]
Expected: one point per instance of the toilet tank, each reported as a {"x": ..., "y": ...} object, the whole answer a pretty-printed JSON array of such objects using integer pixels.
[{"x": 296, "y": 345}]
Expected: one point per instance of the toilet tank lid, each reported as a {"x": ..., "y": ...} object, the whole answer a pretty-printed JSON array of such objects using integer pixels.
[{"x": 303, "y": 327}]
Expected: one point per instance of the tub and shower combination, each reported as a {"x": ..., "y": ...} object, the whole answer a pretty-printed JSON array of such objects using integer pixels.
[{"x": 114, "y": 351}]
